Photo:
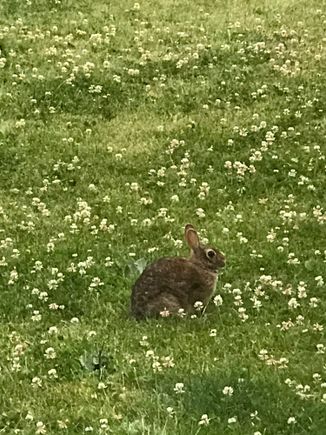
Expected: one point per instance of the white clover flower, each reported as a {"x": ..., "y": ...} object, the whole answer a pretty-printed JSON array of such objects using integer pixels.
[
  {"x": 29, "y": 416},
  {"x": 101, "y": 386},
  {"x": 291, "y": 420},
  {"x": 313, "y": 302},
  {"x": 198, "y": 305},
  {"x": 134, "y": 187},
  {"x": 263, "y": 355},
  {"x": 21, "y": 123},
  {"x": 167, "y": 361},
  {"x": 175, "y": 198},
  {"x": 319, "y": 281},
  {"x": 13, "y": 277},
  {"x": 242, "y": 314},
  {"x": 179, "y": 388},
  {"x": 227, "y": 391},
  {"x": 320, "y": 348},
  {"x": 181, "y": 312},
  {"x": 53, "y": 373},
  {"x": 218, "y": 300},
  {"x": 293, "y": 303},
  {"x": 316, "y": 377},
  {"x": 37, "y": 382},
  {"x": 92, "y": 187},
  {"x": 165, "y": 313},
  {"x": 36, "y": 317},
  {"x": 43, "y": 296},
  {"x": 133, "y": 72},
  {"x": 147, "y": 222},
  {"x": 104, "y": 423},
  {"x": 62, "y": 424},
  {"x": 108, "y": 262},
  {"x": 271, "y": 236},
  {"x": 204, "y": 420},
  {"x": 149, "y": 354},
  {"x": 232, "y": 420},
  {"x": 282, "y": 363},
  {"x": 156, "y": 366},
  {"x": 302, "y": 290},
  {"x": 40, "y": 428},
  {"x": 201, "y": 195},
  {"x": 144, "y": 341},
  {"x": 200, "y": 213},
  {"x": 50, "y": 353},
  {"x": 74, "y": 320}
]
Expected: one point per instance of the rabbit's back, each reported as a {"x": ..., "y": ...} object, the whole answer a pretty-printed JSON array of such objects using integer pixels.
[{"x": 170, "y": 284}]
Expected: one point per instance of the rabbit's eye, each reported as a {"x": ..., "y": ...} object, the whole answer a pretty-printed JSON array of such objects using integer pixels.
[{"x": 210, "y": 253}]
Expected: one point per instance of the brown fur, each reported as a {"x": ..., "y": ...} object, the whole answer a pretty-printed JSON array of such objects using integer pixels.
[{"x": 174, "y": 283}]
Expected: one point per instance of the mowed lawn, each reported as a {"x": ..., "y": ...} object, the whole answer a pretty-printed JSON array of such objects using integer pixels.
[{"x": 120, "y": 122}]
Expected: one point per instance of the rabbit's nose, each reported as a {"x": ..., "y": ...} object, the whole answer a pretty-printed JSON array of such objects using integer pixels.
[{"x": 222, "y": 259}]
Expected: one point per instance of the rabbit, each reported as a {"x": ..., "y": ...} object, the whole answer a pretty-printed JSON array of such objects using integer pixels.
[{"x": 171, "y": 284}]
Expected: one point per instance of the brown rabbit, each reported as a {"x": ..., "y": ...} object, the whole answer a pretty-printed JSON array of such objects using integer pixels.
[{"x": 174, "y": 283}]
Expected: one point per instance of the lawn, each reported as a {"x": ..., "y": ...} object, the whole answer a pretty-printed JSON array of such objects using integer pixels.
[{"x": 120, "y": 122}]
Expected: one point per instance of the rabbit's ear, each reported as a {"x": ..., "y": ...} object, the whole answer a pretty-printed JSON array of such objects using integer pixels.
[
  {"x": 191, "y": 236},
  {"x": 188, "y": 227}
]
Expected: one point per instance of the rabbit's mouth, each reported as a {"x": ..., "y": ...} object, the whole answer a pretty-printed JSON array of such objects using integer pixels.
[{"x": 221, "y": 261}]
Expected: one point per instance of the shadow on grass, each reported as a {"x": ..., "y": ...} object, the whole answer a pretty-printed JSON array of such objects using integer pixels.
[{"x": 260, "y": 402}]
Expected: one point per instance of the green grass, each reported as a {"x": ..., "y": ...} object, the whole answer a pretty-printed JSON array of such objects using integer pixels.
[{"x": 112, "y": 117}]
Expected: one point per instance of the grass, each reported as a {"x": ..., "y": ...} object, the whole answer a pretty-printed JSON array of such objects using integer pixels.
[{"x": 119, "y": 124}]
